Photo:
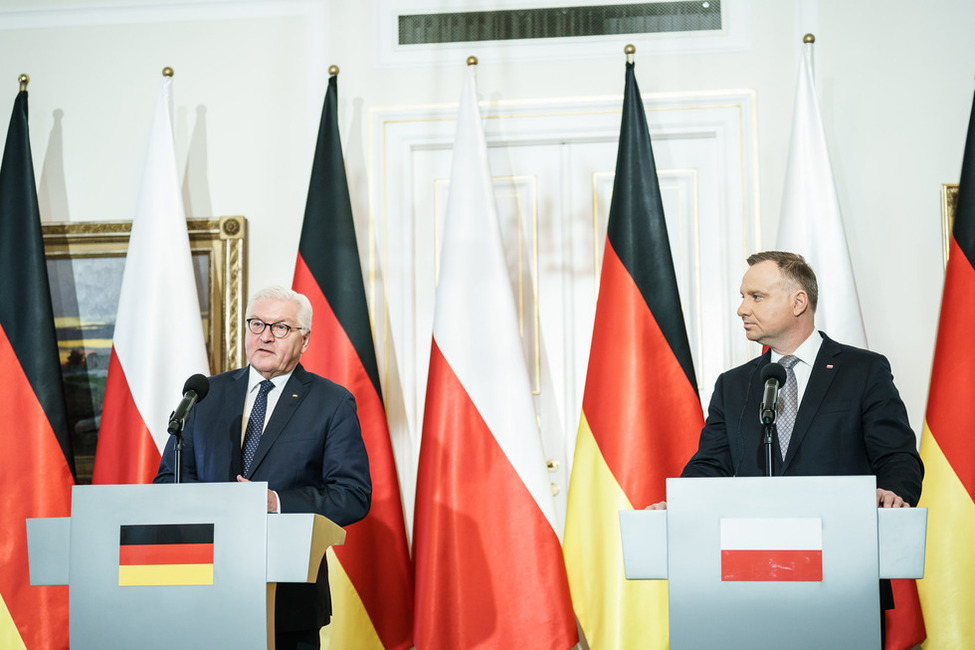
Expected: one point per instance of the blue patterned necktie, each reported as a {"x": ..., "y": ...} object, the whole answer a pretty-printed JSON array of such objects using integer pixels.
[
  {"x": 788, "y": 404},
  {"x": 255, "y": 424}
]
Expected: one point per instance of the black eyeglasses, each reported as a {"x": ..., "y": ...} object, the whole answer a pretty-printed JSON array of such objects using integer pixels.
[{"x": 278, "y": 330}]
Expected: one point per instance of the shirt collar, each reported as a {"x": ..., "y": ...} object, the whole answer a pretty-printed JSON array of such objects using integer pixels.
[
  {"x": 807, "y": 350},
  {"x": 255, "y": 378}
]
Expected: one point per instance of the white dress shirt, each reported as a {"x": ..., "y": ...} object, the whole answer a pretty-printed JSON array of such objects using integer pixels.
[{"x": 806, "y": 353}]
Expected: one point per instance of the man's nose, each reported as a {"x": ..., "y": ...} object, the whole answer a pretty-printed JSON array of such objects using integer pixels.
[
  {"x": 741, "y": 309},
  {"x": 266, "y": 335}
]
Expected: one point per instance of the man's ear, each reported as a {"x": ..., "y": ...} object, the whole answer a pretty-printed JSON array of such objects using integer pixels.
[{"x": 800, "y": 303}]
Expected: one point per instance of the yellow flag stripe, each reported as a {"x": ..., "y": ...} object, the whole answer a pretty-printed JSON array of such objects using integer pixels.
[
  {"x": 614, "y": 612},
  {"x": 947, "y": 591},
  {"x": 161, "y": 575},
  {"x": 350, "y": 628},
  {"x": 9, "y": 635}
]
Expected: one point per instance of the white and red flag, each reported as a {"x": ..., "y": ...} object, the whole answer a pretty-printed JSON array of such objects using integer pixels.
[
  {"x": 489, "y": 569},
  {"x": 158, "y": 339},
  {"x": 811, "y": 222},
  {"x": 772, "y": 550}
]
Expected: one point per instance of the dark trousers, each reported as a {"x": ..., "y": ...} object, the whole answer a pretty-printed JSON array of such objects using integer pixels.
[{"x": 303, "y": 640}]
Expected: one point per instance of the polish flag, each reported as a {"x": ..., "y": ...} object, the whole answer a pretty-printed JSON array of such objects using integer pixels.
[
  {"x": 772, "y": 550},
  {"x": 489, "y": 569},
  {"x": 158, "y": 339}
]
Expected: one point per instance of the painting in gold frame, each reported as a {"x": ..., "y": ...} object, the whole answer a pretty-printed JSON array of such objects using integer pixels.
[
  {"x": 85, "y": 262},
  {"x": 949, "y": 199}
]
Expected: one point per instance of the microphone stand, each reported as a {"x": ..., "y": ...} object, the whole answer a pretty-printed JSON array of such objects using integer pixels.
[
  {"x": 770, "y": 431},
  {"x": 768, "y": 420},
  {"x": 176, "y": 429}
]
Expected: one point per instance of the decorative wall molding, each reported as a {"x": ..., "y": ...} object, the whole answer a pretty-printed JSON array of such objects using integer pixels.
[
  {"x": 129, "y": 13},
  {"x": 553, "y": 163}
]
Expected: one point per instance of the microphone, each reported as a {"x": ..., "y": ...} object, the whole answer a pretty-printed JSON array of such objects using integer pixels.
[
  {"x": 194, "y": 390},
  {"x": 773, "y": 374}
]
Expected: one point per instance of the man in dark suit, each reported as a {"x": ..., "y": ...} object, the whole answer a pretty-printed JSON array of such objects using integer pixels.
[
  {"x": 274, "y": 421},
  {"x": 850, "y": 418}
]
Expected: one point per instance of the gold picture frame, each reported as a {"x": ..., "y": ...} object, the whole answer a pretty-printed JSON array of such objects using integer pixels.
[
  {"x": 949, "y": 199},
  {"x": 85, "y": 262}
]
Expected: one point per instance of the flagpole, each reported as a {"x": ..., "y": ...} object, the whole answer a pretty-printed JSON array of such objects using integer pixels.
[
  {"x": 333, "y": 71},
  {"x": 23, "y": 80},
  {"x": 808, "y": 41},
  {"x": 629, "y": 51}
]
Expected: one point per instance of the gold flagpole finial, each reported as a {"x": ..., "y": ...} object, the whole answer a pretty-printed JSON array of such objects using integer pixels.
[
  {"x": 629, "y": 50},
  {"x": 23, "y": 80},
  {"x": 809, "y": 38},
  {"x": 167, "y": 71},
  {"x": 472, "y": 60},
  {"x": 333, "y": 70}
]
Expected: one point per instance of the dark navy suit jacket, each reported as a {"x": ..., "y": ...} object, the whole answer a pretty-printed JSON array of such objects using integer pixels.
[
  {"x": 851, "y": 421},
  {"x": 311, "y": 453}
]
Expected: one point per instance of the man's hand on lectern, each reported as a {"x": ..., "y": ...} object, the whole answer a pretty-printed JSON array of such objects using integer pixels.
[
  {"x": 887, "y": 499},
  {"x": 272, "y": 496},
  {"x": 660, "y": 505}
]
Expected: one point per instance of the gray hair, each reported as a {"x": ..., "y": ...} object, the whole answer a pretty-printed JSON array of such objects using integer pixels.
[{"x": 277, "y": 292}]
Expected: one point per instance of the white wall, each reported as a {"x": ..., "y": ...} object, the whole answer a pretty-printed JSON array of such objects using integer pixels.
[{"x": 895, "y": 80}]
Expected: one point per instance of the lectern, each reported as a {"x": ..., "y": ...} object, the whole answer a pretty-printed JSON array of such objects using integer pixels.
[
  {"x": 782, "y": 562},
  {"x": 190, "y": 565}
]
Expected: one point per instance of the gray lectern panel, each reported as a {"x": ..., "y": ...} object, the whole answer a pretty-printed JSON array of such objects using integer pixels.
[
  {"x": 902, "y": 534},
  {"x": 48, "y": 545},
  {"x": 164, "y": 593},
  {"x": 783, "y": 562},
  {"x": 644, "y": 537},
  {"x": 296, "y": 544}
]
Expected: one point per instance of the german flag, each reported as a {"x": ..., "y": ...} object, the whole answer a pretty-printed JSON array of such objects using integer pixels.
[
  {"x": 947, "y": 447},
  {"x": 165, "y": 554},
  {"x": 372, "y": 586},
  {"x": 641, "y": 414},
  {"x": 36, "y": 471}
]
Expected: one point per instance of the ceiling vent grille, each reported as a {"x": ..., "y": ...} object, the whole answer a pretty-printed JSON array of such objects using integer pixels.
[{"x": 560, "y": 22}]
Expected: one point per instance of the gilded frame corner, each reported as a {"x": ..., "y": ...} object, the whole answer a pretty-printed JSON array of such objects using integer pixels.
[
  {"x": 949, "y": 199},
  {"x": 222, "y": 240}
]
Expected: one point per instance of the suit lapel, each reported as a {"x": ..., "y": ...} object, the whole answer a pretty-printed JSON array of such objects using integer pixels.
[
  {"x": 812, "y": 399},
  {"x": 293, "y": 393},
  {"x": 231, "y": 420}
]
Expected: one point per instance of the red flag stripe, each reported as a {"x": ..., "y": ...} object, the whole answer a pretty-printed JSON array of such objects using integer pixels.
[
  {"x": 630, "y": 353},
  {"x": 953, "y": 374},
  {"x": 905, "y": 625},
  {"x": 126, "y": 451},
  {"x": 772, "y": 566},
  {"x": 36, "y": 454},
  {"x": 472, "y": 505},
  {"x": 165, "y": 554},
  {"x": 378, "y": 572}
]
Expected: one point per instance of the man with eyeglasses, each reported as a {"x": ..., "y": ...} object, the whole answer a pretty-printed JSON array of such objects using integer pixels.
[{"x": 274, "y": 421}]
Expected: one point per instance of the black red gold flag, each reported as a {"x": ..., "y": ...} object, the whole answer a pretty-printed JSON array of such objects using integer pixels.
[
  {"x": 36, "y": 465},
  {"x": 641, "y": 414},
  {"x": 947, "y": 591},
  {"x": 372, "y": 590}
]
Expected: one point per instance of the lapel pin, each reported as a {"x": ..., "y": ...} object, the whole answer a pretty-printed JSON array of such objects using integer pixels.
[
  {"x": 829, "y": 366},
  {"x": 296, "y": 394}
]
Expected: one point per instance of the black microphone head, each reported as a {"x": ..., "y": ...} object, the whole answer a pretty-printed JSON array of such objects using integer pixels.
[
  {"x": 200, "y": 385},
  {"x": 774, "y": 371}
]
